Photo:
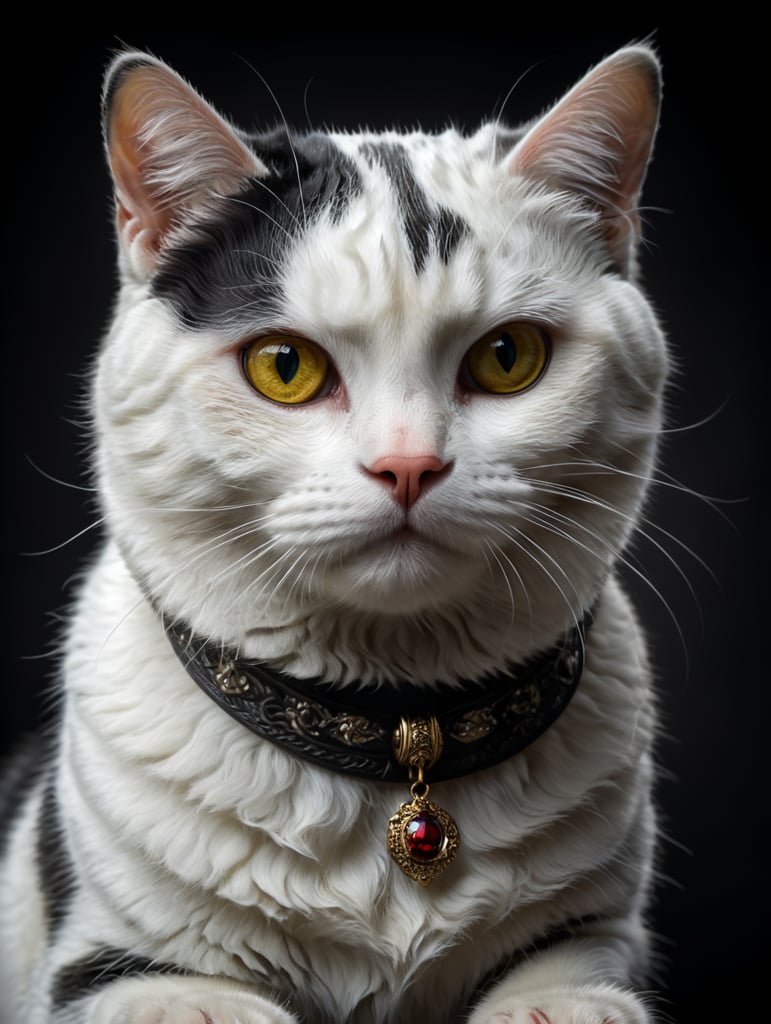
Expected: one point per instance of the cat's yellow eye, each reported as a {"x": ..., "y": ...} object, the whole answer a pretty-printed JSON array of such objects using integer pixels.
[
  {"x": 508, "y": 359},
  {"x": 286, "y": 368}
]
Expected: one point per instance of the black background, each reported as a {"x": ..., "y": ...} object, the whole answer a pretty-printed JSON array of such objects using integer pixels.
[{"x": 704, "y": 266}]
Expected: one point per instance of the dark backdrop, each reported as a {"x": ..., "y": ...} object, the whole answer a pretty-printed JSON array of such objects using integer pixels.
[{"x": 704, "y": 265}]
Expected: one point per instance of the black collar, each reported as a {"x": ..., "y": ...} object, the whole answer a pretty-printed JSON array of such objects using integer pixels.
[{"x": 351, "y": 729}]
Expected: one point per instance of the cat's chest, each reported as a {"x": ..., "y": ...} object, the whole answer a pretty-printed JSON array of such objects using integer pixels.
[{"x": 225, "y": 853}]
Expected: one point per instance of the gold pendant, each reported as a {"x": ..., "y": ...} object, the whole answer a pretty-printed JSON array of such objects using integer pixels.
[{"x": 422, "y": 837}]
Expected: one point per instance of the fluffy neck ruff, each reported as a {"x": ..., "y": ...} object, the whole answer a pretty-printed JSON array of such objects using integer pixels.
[{"x": 352, "y": 729}]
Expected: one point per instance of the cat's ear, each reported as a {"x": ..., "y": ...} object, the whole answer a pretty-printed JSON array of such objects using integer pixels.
[
  {"x": 597, "y": 142},
  {"x": 171, "y": 155}
]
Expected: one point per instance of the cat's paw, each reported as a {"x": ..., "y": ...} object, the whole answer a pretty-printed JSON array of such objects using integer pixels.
[
  {"x": 182, "y": 1000},
  {"x": 595, "y": 1005}
]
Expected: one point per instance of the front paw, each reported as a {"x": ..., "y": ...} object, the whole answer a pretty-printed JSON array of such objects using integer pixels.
[
  {"x": 595, "y": 1005},
  {"x": 183, "y": 1000}
]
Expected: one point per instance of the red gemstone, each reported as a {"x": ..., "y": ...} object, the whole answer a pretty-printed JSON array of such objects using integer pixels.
[{"x": 423, "y": 836}]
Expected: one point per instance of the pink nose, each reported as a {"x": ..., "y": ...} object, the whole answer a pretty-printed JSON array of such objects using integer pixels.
[{"x": 408, "y": 476}]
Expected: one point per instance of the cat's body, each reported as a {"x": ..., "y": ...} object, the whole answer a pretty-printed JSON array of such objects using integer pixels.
[{"x": 403, "y": 517}]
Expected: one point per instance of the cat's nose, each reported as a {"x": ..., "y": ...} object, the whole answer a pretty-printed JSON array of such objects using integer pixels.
[{"x": 408, "y": 476}]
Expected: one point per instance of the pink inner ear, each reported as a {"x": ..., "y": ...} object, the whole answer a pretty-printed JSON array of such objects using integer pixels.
[
  {"x": 137, "y": 211},
  {"x": 169, "y": 152},
  {"x": 132, "y": 150},
  {"x": 597, "y": 141}
]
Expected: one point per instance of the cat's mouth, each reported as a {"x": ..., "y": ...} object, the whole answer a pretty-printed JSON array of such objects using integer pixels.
[
  {"x": 407, "y": 546},
  {"x": 404, "y": 534},
  {"x": 406, "y": 572},
  {"x": 407, "y": 535}
]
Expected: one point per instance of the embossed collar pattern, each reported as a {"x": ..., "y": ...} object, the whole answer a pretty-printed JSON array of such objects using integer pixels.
[{"x": 352, "y": 729}]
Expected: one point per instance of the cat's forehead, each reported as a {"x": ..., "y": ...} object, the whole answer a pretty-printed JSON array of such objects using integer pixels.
[
  {"x": 450, "y": 148},
  {"x": 425, "y": 169},
  {"x": 433, "y": 229},
  {"x": 348, "y": 228},
  {"x": 420, "y": 170}
]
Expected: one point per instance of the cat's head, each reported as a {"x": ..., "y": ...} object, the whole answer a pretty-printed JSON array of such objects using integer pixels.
[{"x": 378, "y": 404}]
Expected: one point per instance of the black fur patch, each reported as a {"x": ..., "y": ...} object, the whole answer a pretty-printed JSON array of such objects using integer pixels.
[
  {"x": 18, "y": 778},
  {"x": 104, "y": 966},
  {"x": 57, "y": 878},
  {"x": 427, "y": 227},
  {"x": 228, "y": 272}
]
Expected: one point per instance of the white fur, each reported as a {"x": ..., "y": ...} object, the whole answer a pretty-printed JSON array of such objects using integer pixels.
[
  {"x": 198, "y": 844},
  {"x": 184, "y": 850}
]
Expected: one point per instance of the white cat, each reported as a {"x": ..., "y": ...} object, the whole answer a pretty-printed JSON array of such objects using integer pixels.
[{"x": 374, "y": 421}]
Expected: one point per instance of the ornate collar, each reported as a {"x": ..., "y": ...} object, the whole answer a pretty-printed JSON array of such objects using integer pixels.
[
  {"x": 394, "y": 733},
  {"x": 351, "y": 729}
]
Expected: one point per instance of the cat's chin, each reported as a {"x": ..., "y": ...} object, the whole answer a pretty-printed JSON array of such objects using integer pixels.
[{"x": 403, "y": 573}]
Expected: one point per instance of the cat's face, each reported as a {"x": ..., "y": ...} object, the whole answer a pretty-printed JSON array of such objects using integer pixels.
[{"x": 363, "y": 390}]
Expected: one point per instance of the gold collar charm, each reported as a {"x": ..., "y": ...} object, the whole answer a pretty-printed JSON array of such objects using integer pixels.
[{"x": 422, "y": 838}]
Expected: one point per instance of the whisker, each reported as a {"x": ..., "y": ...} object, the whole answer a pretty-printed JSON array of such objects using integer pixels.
[
  {"x": 279, "y": 108},
  {"x": 657, "y": 478},
  {"x": 619, "y": 558},
  {"x": 205, "y": 548},
  {"x": 268, "y": 576},
  {"x": 698, "y": 423},
  {"x": 510, "y": 533},
  {"x": 639, "y": 522},
  {"x": 518, "y": 81},
  {"x": 260, "y": 183},
  {"x": 70, "y": 540},
  {"x": 262, "y": 213},
  {"x": 56, "y": 480},
  {"x": 260, "y": 256},
  {"x": 246, "y": 560},
  {"x": 495, "y": 551},
  {"x": 306, "y": 90}
]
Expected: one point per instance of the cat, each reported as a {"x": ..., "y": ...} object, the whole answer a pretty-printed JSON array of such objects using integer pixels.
[{"x": 356, "y": 719}]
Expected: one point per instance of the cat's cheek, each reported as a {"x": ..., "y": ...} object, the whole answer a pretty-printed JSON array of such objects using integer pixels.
[{"x": 239, "y": 432}]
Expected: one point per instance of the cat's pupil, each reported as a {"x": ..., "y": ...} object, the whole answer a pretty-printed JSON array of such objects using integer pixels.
[
  {"x": 506, "y": 352},
  {"x": 287, "y": 362}
]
